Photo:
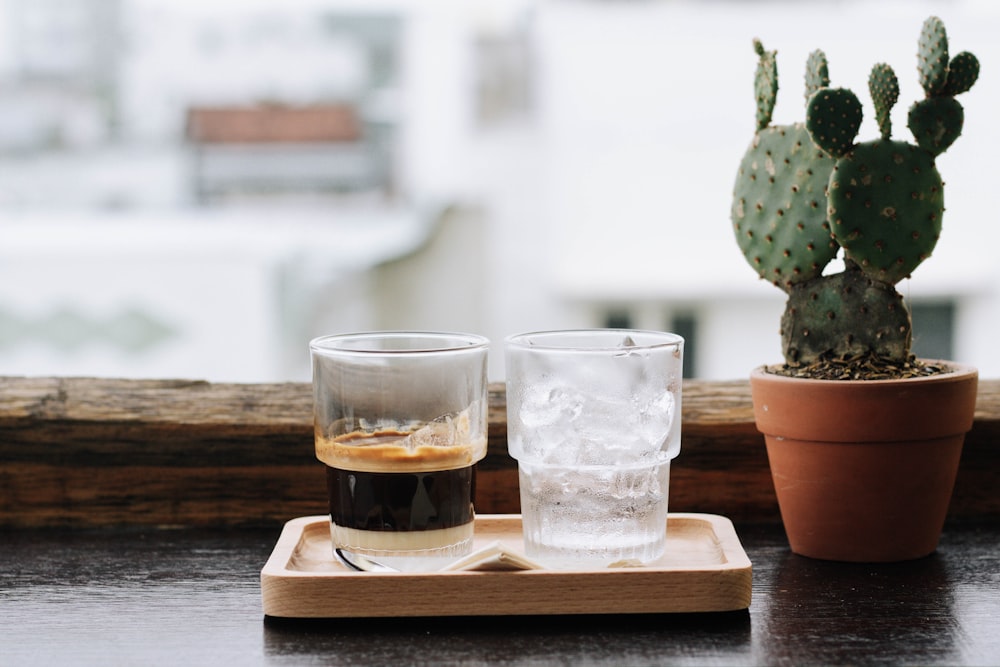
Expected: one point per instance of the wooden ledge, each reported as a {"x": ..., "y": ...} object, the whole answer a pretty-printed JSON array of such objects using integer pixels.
[{"x": 86, "y": 452}]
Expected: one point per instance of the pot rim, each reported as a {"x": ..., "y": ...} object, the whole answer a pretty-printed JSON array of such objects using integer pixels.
[
  {"x": 932, "y": 406},
  {"x": 955, "y": 370}
]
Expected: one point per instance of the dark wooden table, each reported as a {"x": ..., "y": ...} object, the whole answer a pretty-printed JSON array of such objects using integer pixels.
[{"x": 143, "y": 596}]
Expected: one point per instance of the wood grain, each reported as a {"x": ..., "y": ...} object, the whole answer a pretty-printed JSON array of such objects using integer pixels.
[{"x": 90, "y": 452}]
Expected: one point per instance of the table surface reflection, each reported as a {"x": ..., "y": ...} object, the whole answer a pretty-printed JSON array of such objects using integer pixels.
[{"x": 192, "y": 596}]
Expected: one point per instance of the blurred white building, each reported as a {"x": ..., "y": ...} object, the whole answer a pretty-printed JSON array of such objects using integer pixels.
[{"x": 517, "y": 165}]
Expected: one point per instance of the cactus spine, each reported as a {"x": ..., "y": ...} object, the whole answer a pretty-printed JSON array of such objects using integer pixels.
[{"x": 805, "y": 191}]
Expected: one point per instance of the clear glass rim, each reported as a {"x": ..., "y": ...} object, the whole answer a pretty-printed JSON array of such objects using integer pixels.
[
  {"x": 604, "y": 340},
  {"x": 380, "y": 342}
]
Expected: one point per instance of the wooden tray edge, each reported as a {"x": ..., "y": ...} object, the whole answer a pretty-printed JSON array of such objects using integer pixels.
[{"x": 289, "y": 593}]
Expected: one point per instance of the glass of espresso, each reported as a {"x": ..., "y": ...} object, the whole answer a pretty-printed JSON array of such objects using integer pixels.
[{"x": 400, "y": 420}]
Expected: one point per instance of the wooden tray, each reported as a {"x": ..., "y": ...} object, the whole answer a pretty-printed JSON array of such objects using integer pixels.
[{"x": 704, "y": 569}]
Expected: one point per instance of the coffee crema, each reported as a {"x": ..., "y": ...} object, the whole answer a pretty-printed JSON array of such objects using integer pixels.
[{"x": 427, "y": 448}]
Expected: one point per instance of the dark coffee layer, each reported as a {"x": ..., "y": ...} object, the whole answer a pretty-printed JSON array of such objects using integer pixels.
[{"x": 407, "y": 501}]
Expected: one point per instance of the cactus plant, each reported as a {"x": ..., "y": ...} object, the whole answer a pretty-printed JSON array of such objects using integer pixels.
[{"x": 807, "y": 192}]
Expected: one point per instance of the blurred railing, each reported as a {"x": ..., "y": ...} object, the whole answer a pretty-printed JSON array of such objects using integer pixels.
[{"x": 78, "y": 452}]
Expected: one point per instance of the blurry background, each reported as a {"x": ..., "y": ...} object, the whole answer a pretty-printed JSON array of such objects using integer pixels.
[{"x": 195, "y": 189}]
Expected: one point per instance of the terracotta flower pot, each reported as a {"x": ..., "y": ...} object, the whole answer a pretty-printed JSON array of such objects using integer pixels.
[{"x": 864, "y": 470}]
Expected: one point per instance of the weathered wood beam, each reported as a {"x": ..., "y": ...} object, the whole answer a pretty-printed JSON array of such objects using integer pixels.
[{"x": 84, "y": 452}]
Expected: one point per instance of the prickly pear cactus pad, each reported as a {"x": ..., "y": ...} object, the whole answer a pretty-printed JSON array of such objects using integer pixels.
[
  {"x": 932, "y": 56},
  {"x": 845, "y": 316},
  {"x": 936, "y": 123},
  {"x": 807, "y": 192},
  {"x": 885, "y": 207},
  {"x": 963, "y": 71},
  {"x": 833, "y": 118},
  {"x": 779, "y": 199},
  {"x": 817, "y": 73},
  {"x": 765, "y": 84},
  {"x": 779, "y": 207}
]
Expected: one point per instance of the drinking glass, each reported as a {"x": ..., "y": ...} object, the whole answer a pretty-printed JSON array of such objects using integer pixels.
[
  {"x": 594, "y": 419},
  {"x": 400, "y": 419}
]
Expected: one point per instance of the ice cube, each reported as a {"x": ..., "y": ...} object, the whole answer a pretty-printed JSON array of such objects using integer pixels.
[{"x": 655, "y": 416}]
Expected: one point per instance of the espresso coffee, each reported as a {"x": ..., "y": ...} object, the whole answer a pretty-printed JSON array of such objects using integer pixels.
[
  {"x": 389, "y": 495},
  {"x": 401, "y": 502}
]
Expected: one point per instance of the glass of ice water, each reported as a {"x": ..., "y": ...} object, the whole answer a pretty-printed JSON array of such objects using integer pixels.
[{"x": 594, "y": 419}]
